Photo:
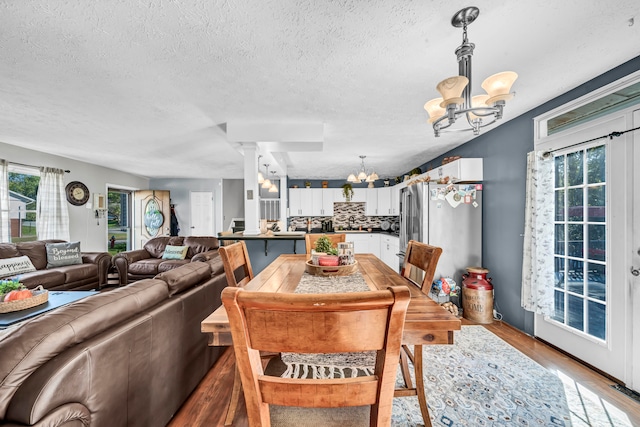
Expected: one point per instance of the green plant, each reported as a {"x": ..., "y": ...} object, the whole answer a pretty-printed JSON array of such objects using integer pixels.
[
  {"x": 415, "y": 171},
  {"x": 347, "y": 191},
  {"x": 307, "y": 183},
  {"x": 323, "y": 244},
  {"x": 7, "y": 286}
]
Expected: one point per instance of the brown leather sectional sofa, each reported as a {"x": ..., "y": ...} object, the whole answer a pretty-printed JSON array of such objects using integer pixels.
[
  {"x": 91, "y": 274},
  {"x": 126, "y": 357},
  {"x": 147, "y": 262}
]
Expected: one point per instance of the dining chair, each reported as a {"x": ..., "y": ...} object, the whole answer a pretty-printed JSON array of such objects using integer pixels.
[
  {"x": 288, "y": 322},
  {"x": 420, "y": 264},
  {"x": 236, "y": 263},
  {"x": 419, "y": 267},
  {"x": 311, "y": 238},
  {"x": 237, "y": 268}
]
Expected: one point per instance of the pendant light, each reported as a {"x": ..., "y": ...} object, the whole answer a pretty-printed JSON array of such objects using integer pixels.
[
  {"x": 362, "y": 174},
  {"x": 266, "y": 183},
  {"x": 260, "y": 176},
  {"x": 456, "y": 101},
  {"x": 274, "y": 187}
]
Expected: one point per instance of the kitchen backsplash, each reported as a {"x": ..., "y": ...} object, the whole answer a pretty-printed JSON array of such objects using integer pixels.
[{"x": 341, "y": 214}]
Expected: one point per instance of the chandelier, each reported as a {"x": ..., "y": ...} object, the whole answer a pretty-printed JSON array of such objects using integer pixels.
[
  {"x": 266, "y": 183},
  {"x": 362, "y": 174},
  {"x": 274, "y": 187},
  {"x": 456, "y": 101}
]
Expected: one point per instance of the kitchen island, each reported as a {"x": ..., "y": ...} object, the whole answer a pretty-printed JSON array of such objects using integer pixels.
[{"x": 264, "y": 248}]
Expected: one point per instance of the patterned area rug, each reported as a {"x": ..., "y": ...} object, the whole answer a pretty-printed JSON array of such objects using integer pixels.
[{"x": 483, "y": 381}]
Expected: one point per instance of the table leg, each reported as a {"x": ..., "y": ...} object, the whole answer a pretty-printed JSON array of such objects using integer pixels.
[
  {"x": 235, "y": 398},
  {"x": 422, "y": 399}
]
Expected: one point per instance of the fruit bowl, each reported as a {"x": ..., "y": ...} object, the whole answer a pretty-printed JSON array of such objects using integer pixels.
[
  {"x": 40, "y": 296},
  {"x": 331, "y": 270}
]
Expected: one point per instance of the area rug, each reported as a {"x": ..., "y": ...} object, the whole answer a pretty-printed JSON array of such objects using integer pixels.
[{"x": 481, "y": 380}]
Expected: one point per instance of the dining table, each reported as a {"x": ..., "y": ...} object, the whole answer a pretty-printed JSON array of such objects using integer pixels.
[{"x": 426, "y": 322}]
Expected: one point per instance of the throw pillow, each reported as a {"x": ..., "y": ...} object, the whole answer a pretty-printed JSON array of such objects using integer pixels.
[
  {"x": 13, "y": 266},
  {"x": 175, "y": 252},
  {"x": 61, "y": 254}
]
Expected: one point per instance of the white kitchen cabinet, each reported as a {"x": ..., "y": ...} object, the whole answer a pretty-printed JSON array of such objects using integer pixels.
[
  {"x": 461, "y": 170},
  {"x": 385, "y": 202},
  {"x": 395, "y": 200},
  {"x": 371, "y": 201},
  {"x": 311, "y": 201},
  {"x": 359, "y": 195},
  {"x": 329, "y": 197},
  {"x": 365, "y": 243},
  {"x": 301, "y": 202},
  {"x": 389, "y": 247}
]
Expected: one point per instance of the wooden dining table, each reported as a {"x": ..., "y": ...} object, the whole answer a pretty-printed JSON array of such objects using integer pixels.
[{"x": 426, "y": 323}]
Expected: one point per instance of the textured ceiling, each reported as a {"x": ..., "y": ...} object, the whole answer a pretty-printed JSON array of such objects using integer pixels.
[{"x": 150, "y": 86}]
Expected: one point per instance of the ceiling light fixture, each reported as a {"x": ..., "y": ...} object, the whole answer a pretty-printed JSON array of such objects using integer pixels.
[
  {"x": 274, "y": 187},
  {"x": 260, "y": 176},
  {"x": 456, "y": 100},
  {"x": 266, "y": 183},
  {"x": 362, "y": 174}
]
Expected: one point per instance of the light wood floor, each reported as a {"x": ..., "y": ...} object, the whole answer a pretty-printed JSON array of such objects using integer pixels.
[{"x": 207, "y": 405}]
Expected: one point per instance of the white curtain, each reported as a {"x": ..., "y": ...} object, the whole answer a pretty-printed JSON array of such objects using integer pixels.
[
  {"x": 537, "y": 263},
  {"x": 4, "y": 202},
  {"x": 52, "y": 220}
]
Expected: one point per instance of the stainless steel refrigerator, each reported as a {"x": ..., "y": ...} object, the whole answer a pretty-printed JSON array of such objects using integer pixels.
[{"x": 448, "y": 216}]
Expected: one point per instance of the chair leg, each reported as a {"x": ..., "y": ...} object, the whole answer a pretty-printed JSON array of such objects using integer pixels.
[
  {"x": 235, "y": 398},
  {"x": 404, "y": 368},
  {"x": 422, "y": 399}
]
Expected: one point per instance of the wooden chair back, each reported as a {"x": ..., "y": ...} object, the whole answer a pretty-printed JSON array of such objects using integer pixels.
[
  {"x": 236, "y": 262},
  {"x": 420, "y": 264},
  {"x": 317, "y": 323},
  {"x": 311, "y": 238}
]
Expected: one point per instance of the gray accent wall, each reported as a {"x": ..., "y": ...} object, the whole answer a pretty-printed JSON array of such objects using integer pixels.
[{"x": 504, "y": 151}]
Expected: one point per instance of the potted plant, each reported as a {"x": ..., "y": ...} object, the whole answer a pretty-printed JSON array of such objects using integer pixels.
[
  {"x": 307, "y": 184},
  {"x": 347, "y": 191},
  {"x": 323, "y": 244}
]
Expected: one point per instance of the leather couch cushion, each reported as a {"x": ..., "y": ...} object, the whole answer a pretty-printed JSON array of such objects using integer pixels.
[
  {"x": 148, "y": 266},
  {"x": 47, "y": 278},
  {"x": 36, "y": 252},
  {"x": 216, "y": 266},
  {"x": 187, "y": 276},
  {"x": 199, "y": 244},
  {"x": 78, "y": 272},
  {"x": 9, "y": 250},
  {"x": 156, "y": 246},
  {"x": 170, "y": 264}
]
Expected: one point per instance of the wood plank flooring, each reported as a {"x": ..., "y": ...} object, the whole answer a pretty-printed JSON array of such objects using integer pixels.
[{"x": 207, "y": 405}]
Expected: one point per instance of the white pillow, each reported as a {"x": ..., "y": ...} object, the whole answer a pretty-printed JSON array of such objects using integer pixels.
[{"x": 13, "y": 266}]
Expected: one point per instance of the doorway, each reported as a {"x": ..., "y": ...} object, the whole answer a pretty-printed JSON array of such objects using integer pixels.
[
  {"x": 592, "y": 198},
  {"x": 202, "y": 213},
  {"x": 118, "y": 220}
]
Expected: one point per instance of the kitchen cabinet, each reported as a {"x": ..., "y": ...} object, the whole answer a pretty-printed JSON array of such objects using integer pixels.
[
  {"x": 312, "y": 201},
  {"x": 300, "y": 202},
  {"x": 359, "y": 195},
  {"x": 323, "y": 204},
  {"x": 461, "y": 170},
  {"x": 365, "y": 243},
  {"x": 371, "y": 201},
  {"x": 389, "y": 247}
]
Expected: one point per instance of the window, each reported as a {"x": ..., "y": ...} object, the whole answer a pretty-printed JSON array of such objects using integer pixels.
[
  {"x": 23, "y": 193},
  {"x": 119, "y": 220},
  {"x": 580, "y": 240}
]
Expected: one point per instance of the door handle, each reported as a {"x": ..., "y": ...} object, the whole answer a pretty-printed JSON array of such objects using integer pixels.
[{"x": 635, "y": 271}]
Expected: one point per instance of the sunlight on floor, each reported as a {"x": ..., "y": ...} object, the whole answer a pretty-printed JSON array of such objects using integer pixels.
[{"x": 589, "y": 410}]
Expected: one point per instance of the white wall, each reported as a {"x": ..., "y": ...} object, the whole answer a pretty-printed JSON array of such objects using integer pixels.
[
  {"x": 180, "y": 189},
  {"x": 82, "y": 222}
]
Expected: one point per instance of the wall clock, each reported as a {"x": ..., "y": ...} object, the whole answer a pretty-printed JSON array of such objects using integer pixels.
[{"x": 77, "y": 193}]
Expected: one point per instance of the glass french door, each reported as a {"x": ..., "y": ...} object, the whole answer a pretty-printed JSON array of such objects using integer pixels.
[{"x": 592, "y": 191}]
